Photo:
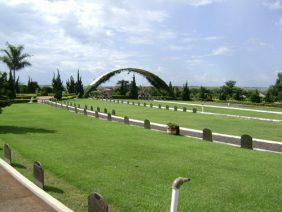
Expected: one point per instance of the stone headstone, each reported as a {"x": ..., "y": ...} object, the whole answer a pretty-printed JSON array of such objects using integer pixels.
[
  {"x": 147, "y": 124},
  {"x": 96, "y": 114},
  {"x": 98, "y": 109},
  {"x": 91, "y": 108},
  {"x": 96, "y": 203},
  {"x": 144, "y": 104},
  {"x": 133, "y": 103},
  {"x": 207, "y": 134},
  {"x": 167, "y": 107},
  {"x": 175, "y": 108},
  {"x": 75, "y": 109},
  {"x": 38, "y": 174},
  {"x": 128, "y": 102},
  {"x": 160, "y": 106},
  {"x": 246, "y": 142},
  {"x": 109, "y": 117},
  {"x": 84, "y": 111},
  {"x": 105, "y": 110},
  {"x": 194, "y": 110},
  {"x": 184, "y": 109},
  {"x": 126, "y": 120},
  {"x": 7, "y": 154},
  {"x": 117, "y": 101},
  {"x": 113, "y": 112},
  {"x": 151, "y": 105},
  {"x": 138, "y": 103}
]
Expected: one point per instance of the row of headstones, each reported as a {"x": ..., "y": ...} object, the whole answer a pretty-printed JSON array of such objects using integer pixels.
[
  {"x": 246, "y": 141},
  {"x": 95, "y": 201},
  {"x": 175, "y": 108}
]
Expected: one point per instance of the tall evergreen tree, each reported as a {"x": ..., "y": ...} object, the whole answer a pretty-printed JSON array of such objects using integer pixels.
[
  {"x": 71, "y": 85},
  {"x": 171, "y": 91},
  {"x": 4, "y": 90},
  {"x": 133, "y": 93},
  {"x": 57, "y": 86},
  {"x": 10, "y": 87},
  {"x": 79, "y": 91},
  {"x": 186, "y": 92},
  {"x": 32, "y": 86},
  {"x": 123, "y": 87}
]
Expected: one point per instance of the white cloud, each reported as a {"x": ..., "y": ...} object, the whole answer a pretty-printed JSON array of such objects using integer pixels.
[
  {"x": 273, "y": 4},
  {"x": 221, "y": 51},
  {"x": 193, "y": 3}
]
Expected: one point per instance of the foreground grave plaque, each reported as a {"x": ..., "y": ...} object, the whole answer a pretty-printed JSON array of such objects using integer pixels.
[
  {"x": 7, "y": 154},
  {"x": 96, "y": 203},
  {"x": 246, "y": 142},
  {"x": 38, "y": 174},
  {"x": 207, "y": 134},
  {"x": 126, "y": 120},
  {"x": 147, "y": 124}
]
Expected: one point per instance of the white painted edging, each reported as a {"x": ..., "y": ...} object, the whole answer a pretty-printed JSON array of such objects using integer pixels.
[{"x": 44, "y": 196}]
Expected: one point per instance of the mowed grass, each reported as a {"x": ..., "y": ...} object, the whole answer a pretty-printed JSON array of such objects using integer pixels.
[
  {"x": 219, "y": 124},
  {"x": 133, "y": 168},
  {"x": 181, "y": 104}
]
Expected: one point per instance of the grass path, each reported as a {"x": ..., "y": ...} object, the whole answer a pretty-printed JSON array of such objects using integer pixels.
[{"x": 134, "y": 168}]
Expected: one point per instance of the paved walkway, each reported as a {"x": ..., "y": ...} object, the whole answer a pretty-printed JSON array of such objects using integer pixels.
[{"x": 15, "y": 197}]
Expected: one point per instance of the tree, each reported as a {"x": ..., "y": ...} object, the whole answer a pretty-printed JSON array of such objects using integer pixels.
[
  {"x": 15, "y": 59},
  {"x": 123, "y": 87},
  {"x": 274, "y": 92},
  {"x": 133, "y": 92},
  {"x": 205, "y": 94},
  {"x": 171, "y": 91},
  {"x": 71, "y": 85},
  {"x": 57, "y": 85},
  {"x": 4, "y": 88},
  {"x": 10, "y": 87},
  {"x": 186, "y": 92},
  {"x": 32, "y": 86},
  {"x": 255, "y": 97},
  {"x": 238, "y": 93},
  {"x": 45, "y": 90},
  {"x": 79, "y": 91}
]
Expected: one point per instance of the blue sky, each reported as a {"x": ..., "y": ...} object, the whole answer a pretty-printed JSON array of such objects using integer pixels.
[{"x": 204, "y": 42}]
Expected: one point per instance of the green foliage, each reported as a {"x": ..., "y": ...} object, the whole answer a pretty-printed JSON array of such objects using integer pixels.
[
  {"x": 46, "y": 90},
  {"x": 32, "y": 86},
  {"x": 71, "y": 87},
  {"x": 133, "y": 92},
  {"x": 57, "y": 85},
  {"x": 123, "y": 87},
  {"x": 171, "y": 90},
  {"x": 153, "y": 79},
  {"x": 79, "y": 91},
  {"x": 274, "y": 93},
  {"x": 205, "y": 94},
  {"x": 186, "y": 92},
  {"x": 15, "y": 59},
  {"x": 255, "y": 97},
  {"x": 4, "y": 90}
]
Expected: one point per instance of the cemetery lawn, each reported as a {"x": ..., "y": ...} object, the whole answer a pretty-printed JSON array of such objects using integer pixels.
[
  {"x": 133, "y": 168},
  {"x": 219, "y": 124}
]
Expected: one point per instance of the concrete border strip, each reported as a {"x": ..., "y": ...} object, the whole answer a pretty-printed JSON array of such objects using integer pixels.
[{"x": 41, "y": 194}]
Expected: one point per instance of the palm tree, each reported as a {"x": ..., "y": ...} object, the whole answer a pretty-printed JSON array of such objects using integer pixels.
[{"x": 15, "y": 59}]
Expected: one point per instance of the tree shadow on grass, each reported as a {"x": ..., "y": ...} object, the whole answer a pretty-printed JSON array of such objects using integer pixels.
[
  {"x": 23, "y": 130},
  {"x": 53, "y": 189},
  {"x": 18, "y": 165}
]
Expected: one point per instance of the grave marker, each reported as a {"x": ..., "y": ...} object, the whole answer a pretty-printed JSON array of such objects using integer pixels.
[
  {"x": 175, "y": 108},
  {"x": 246, "y": 142},
  {"x": 38, "y": 174},
  {"x": 167, "y": 107},
  {"x": 109, "y": 117},
  {"x": 96, "y": 203},
  {"x": 113, "y": 112},
  {"x": 207, "y": 134},
  {"x": 194, "y": 110},
  {"x": 184, "y": 109},
  {"x": 126, "y": 120},
  {"x": 7, "y": 154},
  {"x": 147, "y": 124},
  {"x": 160, "y": 106}
]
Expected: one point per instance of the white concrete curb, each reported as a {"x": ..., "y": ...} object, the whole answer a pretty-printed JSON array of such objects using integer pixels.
[{"x": 45, "y": 197}]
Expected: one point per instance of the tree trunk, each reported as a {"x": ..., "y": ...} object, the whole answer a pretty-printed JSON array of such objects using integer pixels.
[{"x": 15, "y": 89}]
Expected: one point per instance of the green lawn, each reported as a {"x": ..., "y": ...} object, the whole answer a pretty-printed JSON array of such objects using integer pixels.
[
  {"x": 134, "y": 168},
  {"x": 222, "y": 110},
  {"x": 220, "y": 124}
]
